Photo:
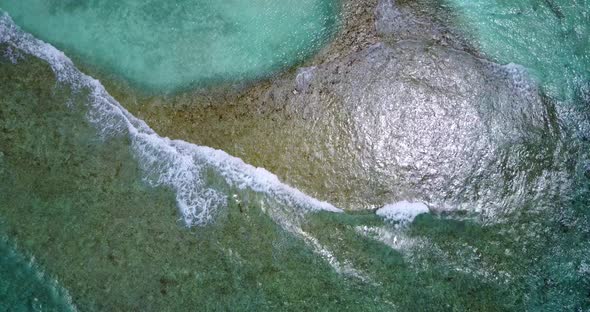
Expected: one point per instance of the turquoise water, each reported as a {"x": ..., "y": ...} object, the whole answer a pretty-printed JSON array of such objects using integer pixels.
[
  {"x": 549, "y": 37},
  {"x": 164, "y": 46},
  {"x": 24, "y": 286},
  {"x": 103, "y": 204}
]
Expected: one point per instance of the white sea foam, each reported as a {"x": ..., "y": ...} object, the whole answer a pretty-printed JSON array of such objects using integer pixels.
[
  {"x": 396, "y": 239},
  {"x": 173, "y": 163},
  {"x": 344, "y": 268},
  {"x": 402, "y": 212}
]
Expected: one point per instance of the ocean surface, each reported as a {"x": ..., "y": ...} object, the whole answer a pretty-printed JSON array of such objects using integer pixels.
[
  {"x": 162, "y": 46},
  {"x": 98, "y": 212}
]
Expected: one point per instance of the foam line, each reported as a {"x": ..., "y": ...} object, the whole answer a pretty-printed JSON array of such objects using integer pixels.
[{"x": 173, "y": 163}]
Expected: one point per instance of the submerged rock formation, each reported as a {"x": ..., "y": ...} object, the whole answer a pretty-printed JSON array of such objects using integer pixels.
[
  {"x": 418, "y": 121},
  {"x": 412, "y": 113}
]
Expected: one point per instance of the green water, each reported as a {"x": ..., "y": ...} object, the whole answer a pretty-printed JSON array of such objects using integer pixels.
[
  {"x": 164, "y": 46},
  {"x": 79, "y": 204},
  {"x": 82, "y": 201}
]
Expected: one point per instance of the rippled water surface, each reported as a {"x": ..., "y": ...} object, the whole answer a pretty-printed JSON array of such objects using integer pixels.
[
  {"x": 550, "y": 37},
  {"x": 24, "y": 286},
  {"x": 467, "y": 123}
]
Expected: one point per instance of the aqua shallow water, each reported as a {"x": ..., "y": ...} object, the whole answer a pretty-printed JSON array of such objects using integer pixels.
[
  {"x": 25, "y": 287},
  {"x": 102, "y": 202},
  {"x": 550, "y": 37},
  {"x": 164, "y": 46}
]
